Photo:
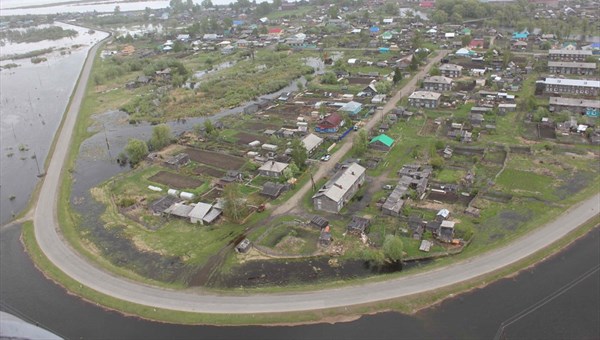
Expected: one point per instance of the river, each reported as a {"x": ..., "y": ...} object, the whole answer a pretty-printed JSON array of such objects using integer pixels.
[{"x": 477, "y": 314}]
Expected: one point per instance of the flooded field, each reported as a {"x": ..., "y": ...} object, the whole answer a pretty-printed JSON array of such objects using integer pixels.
[
  {"x": 289, "y": 272},
  {"x": 33, "y": 98}
]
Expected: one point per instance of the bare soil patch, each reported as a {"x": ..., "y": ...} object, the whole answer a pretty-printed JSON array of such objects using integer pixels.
[
  {"x": 176, "y": 181},
  {"x": 206, "y": 170},
  {"x": 258, "y": 126},
  {"x": 216, "y": 159},
  {"x": 244, "y": 138},
  {"x": 430, "y": 127}
]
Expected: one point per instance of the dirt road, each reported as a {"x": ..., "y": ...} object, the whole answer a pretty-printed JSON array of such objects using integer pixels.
[
  {"x": 327, "y": 167},
  {"x": 77, "y": 267}
]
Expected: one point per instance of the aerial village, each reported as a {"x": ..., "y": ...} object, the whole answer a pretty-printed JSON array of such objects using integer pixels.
[{"x": 433, "y": 127}]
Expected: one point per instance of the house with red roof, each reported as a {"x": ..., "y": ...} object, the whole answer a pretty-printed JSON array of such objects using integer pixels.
[
  {"x": 427, "y": 4},
  {"x": 476, "y": 43},
  {"x": 275, "y": 32},
  {"x": 330, "y": 124}
]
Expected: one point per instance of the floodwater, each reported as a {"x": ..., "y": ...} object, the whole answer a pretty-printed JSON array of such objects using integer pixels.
[
  {"x": 259, "y": 273},
  {"x": 33, "y": 98},
  {"x": 14, "y": 7},
  {"x": 568, "y": 307}
]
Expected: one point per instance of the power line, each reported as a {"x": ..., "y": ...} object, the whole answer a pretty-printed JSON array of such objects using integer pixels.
[{"x": 544, "y": 301}]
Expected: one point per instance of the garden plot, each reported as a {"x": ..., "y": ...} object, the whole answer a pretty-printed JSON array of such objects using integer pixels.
[
  {"x": 176, "y": 181},
  {"x": 216, "y": 159},
  {"x": 259, "y": 126},
  {"x": 244, "y": 138},
  {"x": 430, "y": 127},
  {"x": 206, "y": 170}
]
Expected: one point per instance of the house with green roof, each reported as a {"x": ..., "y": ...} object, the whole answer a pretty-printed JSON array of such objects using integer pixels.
[{"x": 382, "y": 142}]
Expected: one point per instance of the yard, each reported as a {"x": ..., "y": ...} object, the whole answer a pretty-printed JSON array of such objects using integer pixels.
[
  {"x": 174, "y": 180},
  {"x": 216, "y": 159}
]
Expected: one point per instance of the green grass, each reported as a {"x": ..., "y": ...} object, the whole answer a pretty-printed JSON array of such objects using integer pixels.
[
  {"x": 449, "y": 176},
  {"x": 526, "y": 182}
]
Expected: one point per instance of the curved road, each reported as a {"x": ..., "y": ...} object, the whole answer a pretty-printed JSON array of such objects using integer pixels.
[{"x": 69, "y": 261}]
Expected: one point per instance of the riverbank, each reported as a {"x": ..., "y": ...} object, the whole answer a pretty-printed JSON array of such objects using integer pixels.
[{"x": 409, "y": 305}]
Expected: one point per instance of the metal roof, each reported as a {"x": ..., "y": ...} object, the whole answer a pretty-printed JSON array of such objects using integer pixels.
[
  {"x": 425, "y": 95},
  {"x": 384, "y": 139},
  {"x": 311, "y": 141},
  {"x": 200, "y": 210},
  {"x": 336, "y": 187},
  {"x": 573, "y": 82}
]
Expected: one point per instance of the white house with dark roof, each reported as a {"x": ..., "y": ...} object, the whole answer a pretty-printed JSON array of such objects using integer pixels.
[{"x": 339, "y": 189}]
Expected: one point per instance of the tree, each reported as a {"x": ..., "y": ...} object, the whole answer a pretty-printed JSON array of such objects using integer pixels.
[
  {"x": 360, "y": 143},
  {"x": 210, "y": 129},
  {"x": 288, "y": 173},
  {"x": 435, "y": 71},
  {"x": 414, "y": 63},
  {"x": 207, "y": 4},
  {"x": 329, "y": 78},
  {"x": 276, "y": 4},
  {"x": 383, "y": 86},
  {"x": 333, "y": 12},
  {"x": 263, "y": 9},
  {"x": 136, "y": 151},
  {"x": 161, "y": 137},
  {"x": 235, "y": 208},
  {"x": 439, "y": 17},
  {"x": 393, "y": 248},
  {"x": 299, "y": 154},
  {"x": 117, "y": 10},
  {"x": 147, "y": 12},
  {"x": 397, "y": 75},
  {"x": 465, "y": 40}
]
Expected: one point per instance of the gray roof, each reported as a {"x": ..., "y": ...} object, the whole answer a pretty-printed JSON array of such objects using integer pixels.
[
  {"x": 425, "y": 95},
  {"x": 573, "y": 82},
  {"x": 577, "y": 52},
  {"x": 438, "y": 80},
  {"x": 450, "y": 67},
  {"x": 311, "y": 141},
  {"x": 574, "y": 102},
  {"x": 200, "y": 210},
  {"x": 273, "y": 166},
  {"x": 572, "y": 64},
  {"x": 341, "y": 182},
  {"x": 179, "y": 209},
  {"x": 212, "y": 215}
]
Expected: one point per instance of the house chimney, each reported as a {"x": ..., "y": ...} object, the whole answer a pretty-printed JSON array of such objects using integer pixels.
[{"x": 352, "y": 173}]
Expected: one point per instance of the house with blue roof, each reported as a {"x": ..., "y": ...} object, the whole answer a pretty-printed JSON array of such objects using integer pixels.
[
  {"x": 520, "y": 35},
  {"x": 351, "y": 108},
  {"x": 374, "y": 29}
]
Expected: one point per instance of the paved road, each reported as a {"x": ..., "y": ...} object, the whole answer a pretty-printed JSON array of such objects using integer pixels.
[
  {"x": 326, "y": 167},
  {"x": 74, "y": 265}
]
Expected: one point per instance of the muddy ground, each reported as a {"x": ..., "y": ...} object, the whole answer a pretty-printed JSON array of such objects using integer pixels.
[
  {"x": 285, "y": 272},
  {"x": 176, "y": 181},
  {"x": 216, "y": 159}
]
